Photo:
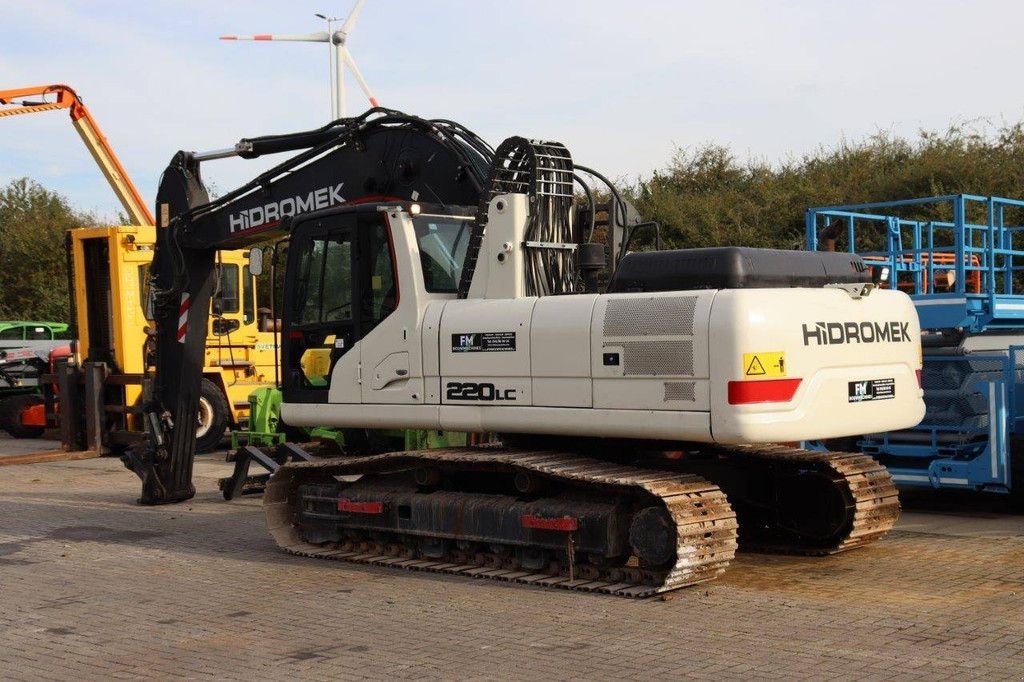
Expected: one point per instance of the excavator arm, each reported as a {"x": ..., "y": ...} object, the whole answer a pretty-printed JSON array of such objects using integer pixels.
[
  {"x": 30, "y": 100},
  {"x": 382, "y": 156}
]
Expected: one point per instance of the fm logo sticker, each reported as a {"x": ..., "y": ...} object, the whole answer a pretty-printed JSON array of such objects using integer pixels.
[
  {"x": 871, "y": 389},
  {"x": 483, "y": 342}
]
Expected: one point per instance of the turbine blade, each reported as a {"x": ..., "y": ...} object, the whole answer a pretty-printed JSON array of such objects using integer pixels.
[
  {"x": 350, "y": 20},
  {"x": 359, "y": 77},
  {"x": 319, "y": 37}
]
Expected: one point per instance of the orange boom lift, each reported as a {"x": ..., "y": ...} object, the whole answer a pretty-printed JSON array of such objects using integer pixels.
[{"x": 18, "y": 101}]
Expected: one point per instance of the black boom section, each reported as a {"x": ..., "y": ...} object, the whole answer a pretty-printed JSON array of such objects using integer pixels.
[
  {"x": 389, "y": 158},
  {"x": 182, "y": 284},
  {"x": 382, "y": 155}
]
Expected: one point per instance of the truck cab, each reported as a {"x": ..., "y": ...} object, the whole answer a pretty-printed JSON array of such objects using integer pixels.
[{"x": 110, "y": 278}]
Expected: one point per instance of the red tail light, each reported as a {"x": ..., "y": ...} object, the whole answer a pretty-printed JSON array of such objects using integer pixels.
[
  {"x": 771, "y": 391},
  {"x": 564, "y": 523},
  {"x": 360, "y": 507}
]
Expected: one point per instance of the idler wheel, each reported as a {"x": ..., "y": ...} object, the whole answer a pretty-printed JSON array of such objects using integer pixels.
[
  {"x": 427, "y": 477},
  {"x": 814, "y": 508},
  {"x": 652, "y": 535},
  {"x": 528, "y": 483}
]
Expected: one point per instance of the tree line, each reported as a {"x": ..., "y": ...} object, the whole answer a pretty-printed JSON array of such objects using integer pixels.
[
  {"x": 33, "y": 264},
  {"x": 705, "y": 196}
]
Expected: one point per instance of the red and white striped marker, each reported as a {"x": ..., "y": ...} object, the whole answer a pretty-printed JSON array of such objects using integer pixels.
[{"x": 183, "y": 317}]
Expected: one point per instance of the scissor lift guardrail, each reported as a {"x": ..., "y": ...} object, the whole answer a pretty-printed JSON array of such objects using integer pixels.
[{"x": 956, "y": 257}]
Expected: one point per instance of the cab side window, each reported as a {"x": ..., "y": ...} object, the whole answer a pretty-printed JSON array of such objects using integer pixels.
[
  {"x": 380, "y": 291},
  {"x": 227, "y": 300},
  {"x": 248, "y": 297},
  {"x": 325, "y": 282}
]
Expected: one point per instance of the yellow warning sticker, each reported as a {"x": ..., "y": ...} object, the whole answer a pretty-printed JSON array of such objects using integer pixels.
[{"x": 764, "y": 364}]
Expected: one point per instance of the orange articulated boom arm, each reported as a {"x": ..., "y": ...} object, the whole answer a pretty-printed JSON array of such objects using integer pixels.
[{"x": 13, "y": 102}]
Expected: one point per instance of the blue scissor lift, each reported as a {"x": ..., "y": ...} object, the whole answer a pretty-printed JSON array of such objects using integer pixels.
[{"x": 955, "y": 256}]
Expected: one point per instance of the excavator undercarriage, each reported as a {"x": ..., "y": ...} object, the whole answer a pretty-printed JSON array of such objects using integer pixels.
[{"x": 559, "y": 519}]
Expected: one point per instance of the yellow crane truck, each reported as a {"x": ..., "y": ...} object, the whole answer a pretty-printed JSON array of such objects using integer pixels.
[
  {"x": 95, "y": 395},
  {"x": 109, "y": 277}
]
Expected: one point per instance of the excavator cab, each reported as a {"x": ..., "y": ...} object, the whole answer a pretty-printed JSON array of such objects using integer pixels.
[
  {"x": 348, "y": 281},
  {"x": 345, "y": 286}
]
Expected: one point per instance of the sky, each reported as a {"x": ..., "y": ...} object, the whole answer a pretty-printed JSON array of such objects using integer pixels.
[{"x": 622, "y": 83}]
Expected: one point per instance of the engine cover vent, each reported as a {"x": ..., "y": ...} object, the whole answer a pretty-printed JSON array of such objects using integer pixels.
[
  {"x": 657, "y": 358},
  {"x": 681, "y": 390},
  {"x": 656, "y": 316}
]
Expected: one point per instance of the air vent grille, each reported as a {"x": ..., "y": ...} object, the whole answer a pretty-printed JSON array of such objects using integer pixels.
[
  {"x": 658, "y": 358},
  {"x": 647, "y": 316},
  {"x": 680, "y": 390}
]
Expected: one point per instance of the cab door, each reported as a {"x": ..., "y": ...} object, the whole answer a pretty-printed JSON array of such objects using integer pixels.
[
  {"x": 340, "y": 286},
  {"x": 389, "y": 353},
  {"x": 320, "y": 320}
]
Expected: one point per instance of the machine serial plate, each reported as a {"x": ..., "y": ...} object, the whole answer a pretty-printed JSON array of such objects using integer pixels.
[
  {"x": 483, "y": 342},
  {"x": 872, "y": 389}
]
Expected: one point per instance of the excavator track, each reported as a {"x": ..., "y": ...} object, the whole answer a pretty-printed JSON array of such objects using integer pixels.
[
  {"x": 693, "y": 510},
  {"x": 853, "y": 496}
]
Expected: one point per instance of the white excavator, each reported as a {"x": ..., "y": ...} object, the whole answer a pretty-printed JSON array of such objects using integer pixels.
[{"x": 647, "y": 404}]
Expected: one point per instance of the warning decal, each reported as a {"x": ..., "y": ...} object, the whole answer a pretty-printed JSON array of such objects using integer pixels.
[{"x": 764, "y": 364}]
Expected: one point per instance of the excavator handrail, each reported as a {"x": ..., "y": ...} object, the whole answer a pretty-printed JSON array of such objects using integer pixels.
[{"x": 12, "y": 104}]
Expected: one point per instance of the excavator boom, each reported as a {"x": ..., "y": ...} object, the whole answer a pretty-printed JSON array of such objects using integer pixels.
[{"x": 383, "y": 155}]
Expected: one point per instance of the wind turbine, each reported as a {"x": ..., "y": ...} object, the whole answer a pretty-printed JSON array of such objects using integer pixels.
[{"x": 339, "y": 54}]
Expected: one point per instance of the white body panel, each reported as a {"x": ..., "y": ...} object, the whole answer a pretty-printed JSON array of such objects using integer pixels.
[
  {"x": 771, "y": 320},
  {"x": 499, "y": 269},
  {"x": 641, "y": 365}
]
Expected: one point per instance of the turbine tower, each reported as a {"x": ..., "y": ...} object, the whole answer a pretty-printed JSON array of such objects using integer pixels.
[{"x": 339, "y": 54}]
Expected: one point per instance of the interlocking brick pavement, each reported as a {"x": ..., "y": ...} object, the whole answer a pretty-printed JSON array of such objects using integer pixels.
[{"x": 94, "y": 587}]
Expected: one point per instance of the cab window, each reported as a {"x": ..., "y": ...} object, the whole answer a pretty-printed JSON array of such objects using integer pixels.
[
  {"x": 248, "y": 297},
  {"x": 226, "y": 295},
  {"x": 325, "y": 278},
  {"x": 381, "y": 296},
  {"x": 442, "y": 241},
  {"x": 11, "y": 333},
  {"x": 227, "y": 288},
  {"x": 145, "y": 298}
]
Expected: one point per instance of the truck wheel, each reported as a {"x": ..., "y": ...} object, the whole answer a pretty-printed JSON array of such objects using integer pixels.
[
  {"x": 10, "y": 416},
  {"x": 213, "y": 417},
  {"x": 3, "y": 414}
]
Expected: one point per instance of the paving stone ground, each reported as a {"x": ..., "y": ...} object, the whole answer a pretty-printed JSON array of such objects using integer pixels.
[{"x": 94, "y": 587}]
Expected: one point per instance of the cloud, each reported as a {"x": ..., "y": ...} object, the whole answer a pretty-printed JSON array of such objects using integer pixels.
[{"x": 619, "y": 82}]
